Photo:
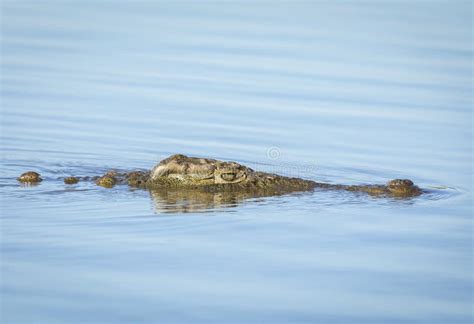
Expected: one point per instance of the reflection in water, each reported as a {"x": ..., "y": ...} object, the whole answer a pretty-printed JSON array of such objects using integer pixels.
[
  {"x": 188, "y": 201},
  {"x": 191, "y": 201}
]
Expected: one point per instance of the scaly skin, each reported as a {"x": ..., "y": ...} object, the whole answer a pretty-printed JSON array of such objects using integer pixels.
[
  {"x": 30, "y": 177},
  {"x": 179, "y": 172}
]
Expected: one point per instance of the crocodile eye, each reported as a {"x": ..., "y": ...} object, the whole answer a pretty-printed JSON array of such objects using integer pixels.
[{"x": 228, "y": 176}]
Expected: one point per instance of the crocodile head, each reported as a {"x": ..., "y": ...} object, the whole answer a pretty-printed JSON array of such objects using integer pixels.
[
  {"x": 198, "y": 171},
  {"x": 180, "y": 171}
]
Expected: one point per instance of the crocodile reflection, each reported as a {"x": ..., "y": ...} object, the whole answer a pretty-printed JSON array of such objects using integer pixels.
[{"x": 194, "y": 201}]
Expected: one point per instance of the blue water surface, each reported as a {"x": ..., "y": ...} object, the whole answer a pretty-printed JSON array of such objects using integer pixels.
[{"x": 341, "y": 92}]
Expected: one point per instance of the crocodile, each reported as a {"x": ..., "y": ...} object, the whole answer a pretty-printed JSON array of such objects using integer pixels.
[{"x": 180, "y": 173}]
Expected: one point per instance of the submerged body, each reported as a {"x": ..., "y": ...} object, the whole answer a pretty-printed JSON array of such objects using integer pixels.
[{"x": 179, "y": 172}]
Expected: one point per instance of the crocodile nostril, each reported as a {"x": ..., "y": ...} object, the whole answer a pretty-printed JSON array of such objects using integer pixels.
[{"x": 228, "y": 176}]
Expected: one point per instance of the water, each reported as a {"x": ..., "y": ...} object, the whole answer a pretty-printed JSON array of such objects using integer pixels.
[{"x": 338, "y": 92}]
